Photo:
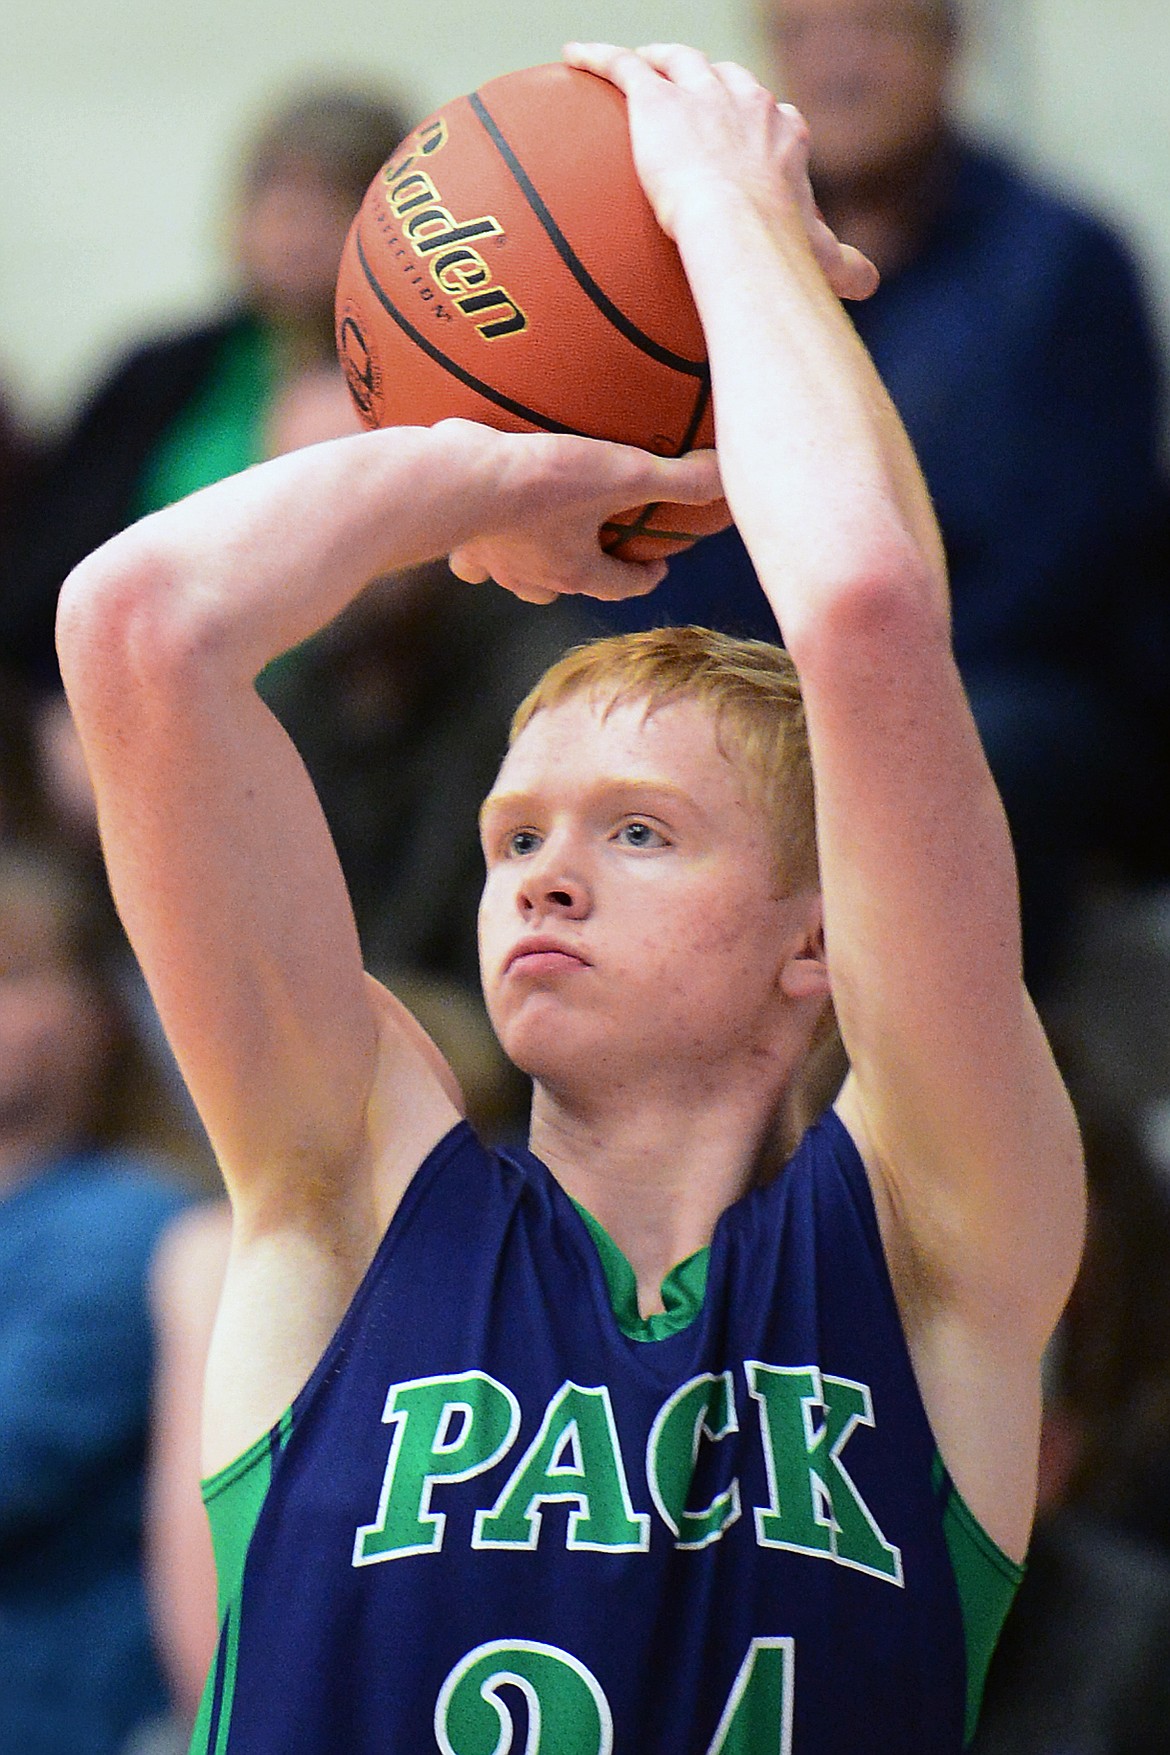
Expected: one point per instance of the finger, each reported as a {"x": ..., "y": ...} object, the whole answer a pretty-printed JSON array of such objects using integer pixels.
[
  {"x": 794, "y": 133},
  {"x": 850, "y": 273},
  {"x": 528, "y": 593},
  {"x": 612, "y": 580},
  {"x": 647, "y": 576},
  {"x": 737, "y": 79},
  {"x": 848, "y": 270},
  {"x": 622, "y": 67},
  {"x": 463, "y": 567},
  {"x": 683, "y": 66},
  {"x": 858, "y": 277},
  {"x": 693, "y": 480}
]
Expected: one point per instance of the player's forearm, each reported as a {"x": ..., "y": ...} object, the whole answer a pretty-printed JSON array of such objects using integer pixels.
[
  {"x": 253, "y": 565},
  {"x": 816, "y": 465}
]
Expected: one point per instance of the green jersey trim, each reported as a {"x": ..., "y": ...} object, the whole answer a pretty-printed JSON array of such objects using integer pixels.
[
  {"x": 987, "y": 1581},
  {"x": 683, "y": 1289},
  {"x": 234, "y": 1498},
  {"x": 986, "y": 1578}
]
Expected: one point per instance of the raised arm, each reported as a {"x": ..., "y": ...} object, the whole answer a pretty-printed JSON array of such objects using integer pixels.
[
  {"x": 319, "y": 1094},
  {"x": 953, "y": 1098}
]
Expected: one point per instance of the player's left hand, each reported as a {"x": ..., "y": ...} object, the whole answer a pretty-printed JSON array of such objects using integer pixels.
[{"x": 699, "y": 127}]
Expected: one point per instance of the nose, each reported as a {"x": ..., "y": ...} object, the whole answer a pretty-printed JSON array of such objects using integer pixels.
[{"x": 552, "y": 884}]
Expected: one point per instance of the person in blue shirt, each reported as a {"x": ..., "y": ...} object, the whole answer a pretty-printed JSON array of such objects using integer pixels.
[
  {"x": 80, "y": 1216},
  {"x": 647, "y": 1436},
  {"x": 1013, "y": 333}
]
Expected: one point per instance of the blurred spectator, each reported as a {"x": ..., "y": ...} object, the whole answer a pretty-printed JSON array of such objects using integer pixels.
[
  {"x": 57, "y": 805},
  {"x": 1083, "y": 1664},
  {"x": 1011, "y": 331},
  {"x": 183, "y": 411},
  {"x": 1083, "y": 1667},
  {"x": 22, "y": 804},
  {"x": 185, "y": 1286},
  {"x": 81, "y": 1210},
  {"x": 1109, "y": 1413},
  {"x": 64, "y": 777},
  {"x": 17, "y": 454}
]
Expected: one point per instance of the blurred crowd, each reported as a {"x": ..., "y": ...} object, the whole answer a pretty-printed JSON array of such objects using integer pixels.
[{"x": 1013, "y": 330}]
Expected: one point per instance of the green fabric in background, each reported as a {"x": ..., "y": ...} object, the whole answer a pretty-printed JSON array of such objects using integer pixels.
[{"x": 221, "y": 431}]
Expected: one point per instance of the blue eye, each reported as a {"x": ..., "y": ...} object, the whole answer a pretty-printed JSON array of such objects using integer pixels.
[
  {"x": 639, "y": 834},
  {"x": 521, "y": 842}
]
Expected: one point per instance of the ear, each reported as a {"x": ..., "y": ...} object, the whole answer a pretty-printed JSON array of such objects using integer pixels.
[{"x": 804, "y": 974}]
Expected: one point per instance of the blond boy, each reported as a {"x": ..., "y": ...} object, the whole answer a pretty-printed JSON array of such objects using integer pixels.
[{"x": 614, "y": 1441}]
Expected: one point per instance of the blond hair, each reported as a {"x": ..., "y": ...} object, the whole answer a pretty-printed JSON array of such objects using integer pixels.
[{"x": 750, "y": 688}]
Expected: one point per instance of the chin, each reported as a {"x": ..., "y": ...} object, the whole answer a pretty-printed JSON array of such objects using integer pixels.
[
  {"x": 542, "y": 1055},
  {"x": 526, "y": 1039},
  {"x": 549, "y": 1050}
]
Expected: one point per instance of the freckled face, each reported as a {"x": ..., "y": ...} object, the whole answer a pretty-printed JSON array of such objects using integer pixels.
[{"x": 629, "y": 920}]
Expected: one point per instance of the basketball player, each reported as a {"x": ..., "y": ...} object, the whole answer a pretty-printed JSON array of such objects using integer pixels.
[{"x": 617, "y": 1443}]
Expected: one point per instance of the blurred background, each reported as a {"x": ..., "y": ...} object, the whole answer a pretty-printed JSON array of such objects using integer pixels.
[
  {"x": 119, "y": 126},
  {"x": 176, "y": 185}
]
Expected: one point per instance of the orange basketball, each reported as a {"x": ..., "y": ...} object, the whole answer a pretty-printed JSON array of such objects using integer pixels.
[{"x": 505, "y": 266}]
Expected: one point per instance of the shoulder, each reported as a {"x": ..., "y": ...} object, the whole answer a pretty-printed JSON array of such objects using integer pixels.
[
  {"x": 473, "y": 1223},
  {"x": 825, "y": 1168},
  {"x": 179, "y": 344},
  {"x": 998, "y": 194},
  {"x": 296, "y": 1308},
  {"x": 819, "y": 1209},
  {"x": 465, "y": 1196},
  {"x": 165, "y": 368}
]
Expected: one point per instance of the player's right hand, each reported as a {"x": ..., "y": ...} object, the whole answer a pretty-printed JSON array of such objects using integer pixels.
[
  {"x": 555, "y": 493},
  {"x": 700, "y": 128}
]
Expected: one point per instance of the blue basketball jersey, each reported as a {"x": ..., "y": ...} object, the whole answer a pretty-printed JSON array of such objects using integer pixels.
[{"x": 506, "y": 1514}]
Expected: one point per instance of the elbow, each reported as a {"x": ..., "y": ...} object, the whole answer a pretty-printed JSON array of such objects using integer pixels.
[
  {"x": 99, "y": 604},
  {"x": 124, "y": 623},
  {"x": 887, "y": 602}
]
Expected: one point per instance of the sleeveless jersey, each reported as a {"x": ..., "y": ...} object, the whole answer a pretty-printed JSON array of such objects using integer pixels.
[{"x": 507, "y": 1514}]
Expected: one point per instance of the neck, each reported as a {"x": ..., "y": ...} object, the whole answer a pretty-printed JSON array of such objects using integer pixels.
[
  {"x": 887, "y": 213},
  {"x": 656, "y": 1173}
]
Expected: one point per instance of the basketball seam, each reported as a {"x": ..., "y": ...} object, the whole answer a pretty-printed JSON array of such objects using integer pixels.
[
  {"x": 700, "y": 409},
  {"x": 644, "y": 343},
  {"x": 625, "y": 533},
  {"x": 487, "y": 391},
  {"x": 637, "y": 528}
]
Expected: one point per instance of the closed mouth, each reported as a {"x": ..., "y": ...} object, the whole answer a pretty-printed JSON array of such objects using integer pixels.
[{"x": 544, "y": 947}]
